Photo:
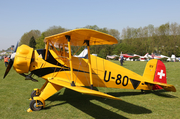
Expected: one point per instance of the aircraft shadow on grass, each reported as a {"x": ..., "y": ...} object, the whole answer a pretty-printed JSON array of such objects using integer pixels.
[
  {"x": 83, "y": 103},
  {"x": 161, "y": 93}
]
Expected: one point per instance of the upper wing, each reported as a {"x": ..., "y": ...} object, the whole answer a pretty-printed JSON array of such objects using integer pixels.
[
  {"x": 80, "y": 89},
  {"x": 166, "y": 87},
  {"x": 78, "y": 36}
]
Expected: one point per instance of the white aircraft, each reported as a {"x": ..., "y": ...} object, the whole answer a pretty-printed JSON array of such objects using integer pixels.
[
  {"x": 111, "y": 56},
  {"x": 174, "y": 58},
  {"x": 3, "y": 53},
  {"x": 136, "y": 57},
  {"x": 159, "y": 57},
  {"x": 83, "y": 54},
  {"x": 144, "y": 58}
]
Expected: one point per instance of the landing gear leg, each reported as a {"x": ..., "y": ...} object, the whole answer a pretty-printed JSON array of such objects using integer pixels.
[
  {"x": 38, "y": 102},
  {"x": 37, "y": 92}
]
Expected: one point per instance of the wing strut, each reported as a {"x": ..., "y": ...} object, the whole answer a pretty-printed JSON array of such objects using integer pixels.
[
  {"x": 70, "y": 59},
  {"x": 89, "y": 63},
  {"x": 47, "y": 45}
]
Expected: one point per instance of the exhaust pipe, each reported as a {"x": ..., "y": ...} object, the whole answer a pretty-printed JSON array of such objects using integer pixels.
[{"x": 28, "y": 77}]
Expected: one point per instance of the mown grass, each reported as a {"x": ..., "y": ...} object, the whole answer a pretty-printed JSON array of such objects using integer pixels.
[{"x": 66, "y": 104}]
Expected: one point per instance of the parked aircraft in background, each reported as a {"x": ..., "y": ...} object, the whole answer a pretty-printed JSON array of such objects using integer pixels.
[
  {"x": 112, "y": 57},
  {"x": 136, "y": 57},
  {"x": 146, "y": 57},
  {"x": 126, "y": 56},
  {"x": 83, "y": 54},
  {"x": 3, "y": 53},
  {"x": 159, "y": 57},
  {"x": 174, "y": 58},
  {"x": 131, "y": 57}
]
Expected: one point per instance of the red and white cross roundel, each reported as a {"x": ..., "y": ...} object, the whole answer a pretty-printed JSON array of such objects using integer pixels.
[{"x": 161, "y": 74}]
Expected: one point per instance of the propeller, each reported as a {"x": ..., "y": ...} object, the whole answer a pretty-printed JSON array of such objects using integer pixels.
[{"x": 10, "y": 64}]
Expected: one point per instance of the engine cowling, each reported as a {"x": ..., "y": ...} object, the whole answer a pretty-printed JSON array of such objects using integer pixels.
[{"x": 22, "y": 59}]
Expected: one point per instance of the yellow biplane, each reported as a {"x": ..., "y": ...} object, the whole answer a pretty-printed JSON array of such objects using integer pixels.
[{"x": 60, "y": 68}]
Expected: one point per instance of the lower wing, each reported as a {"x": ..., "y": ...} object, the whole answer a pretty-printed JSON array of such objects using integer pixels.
[{"x": 80, "y": 89}]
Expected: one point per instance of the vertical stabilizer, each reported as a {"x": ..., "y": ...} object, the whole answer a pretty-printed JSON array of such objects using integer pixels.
[{"x": 155, "y": 71}]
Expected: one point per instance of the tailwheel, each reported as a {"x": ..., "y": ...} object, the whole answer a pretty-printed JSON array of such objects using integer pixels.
[
  {"x": 36, "y": 105},
  {"x": 34, "y": 93}
]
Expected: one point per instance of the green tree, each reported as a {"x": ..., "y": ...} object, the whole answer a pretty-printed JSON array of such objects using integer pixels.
[
  {"x": 51, "y": 31},
  {"x": 54, "y": 30},
  {"x": 27, "y": 36},
  {"x": 32, "y": 42},
  {"x": 102, "y": 53},
  {"x": 94, "y": 27},
  {"x": 114, "y": 33},
  {"x": 40, "y": 42}
]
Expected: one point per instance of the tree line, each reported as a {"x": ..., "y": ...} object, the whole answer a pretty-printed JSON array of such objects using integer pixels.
[{"x": 164, "y": 39}]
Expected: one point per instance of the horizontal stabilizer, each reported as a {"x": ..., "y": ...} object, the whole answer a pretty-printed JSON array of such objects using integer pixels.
[
  {"x": 81, "y": 89},
  {"x": 166, "y": 87}
]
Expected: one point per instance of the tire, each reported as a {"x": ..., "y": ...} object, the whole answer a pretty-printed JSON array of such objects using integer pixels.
[
  {"x": 33, "y": 94},
  {"x": 33, "y": 105}
]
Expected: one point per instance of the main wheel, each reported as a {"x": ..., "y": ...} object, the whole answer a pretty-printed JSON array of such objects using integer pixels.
[
  {"x": 33, "y": 94},
  {"x": 36, "y": 106}
]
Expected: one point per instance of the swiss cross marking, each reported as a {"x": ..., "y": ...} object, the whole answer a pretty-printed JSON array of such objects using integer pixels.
[{"x": 161, "y": 74}]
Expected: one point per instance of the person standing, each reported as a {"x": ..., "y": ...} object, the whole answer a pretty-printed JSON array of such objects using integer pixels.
[
  {"x": 6, "y": 61},
  {"x": 121, "y": 59},
  {"x": 152, "y": 55}
]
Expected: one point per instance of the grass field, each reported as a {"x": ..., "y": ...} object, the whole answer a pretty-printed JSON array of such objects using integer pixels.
[{"x": 66, "y": 104}]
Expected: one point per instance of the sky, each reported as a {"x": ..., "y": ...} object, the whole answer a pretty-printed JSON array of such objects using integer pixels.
[{"x": 21, "y": 16}]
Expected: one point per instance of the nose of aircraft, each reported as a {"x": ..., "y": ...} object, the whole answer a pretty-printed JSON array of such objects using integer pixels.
[{"x": 23, "y": 59}]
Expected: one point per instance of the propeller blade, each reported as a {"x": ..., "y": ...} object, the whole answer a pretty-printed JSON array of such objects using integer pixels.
[
  {"x": 16, "y": 46},
  {"x": 10, "y": 64}
]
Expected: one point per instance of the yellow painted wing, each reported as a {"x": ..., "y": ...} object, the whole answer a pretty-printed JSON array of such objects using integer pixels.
[
  {"x": 79, "y": 35},
  {"x": 80, "y": 89},
  {"x": 166, "y": 87}
]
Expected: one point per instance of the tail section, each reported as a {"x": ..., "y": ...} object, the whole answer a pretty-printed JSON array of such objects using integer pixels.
[{"x": 155, "y": 73}]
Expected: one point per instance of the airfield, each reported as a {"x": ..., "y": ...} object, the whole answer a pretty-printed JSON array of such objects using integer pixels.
[{"x": 65, "y": 104}]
